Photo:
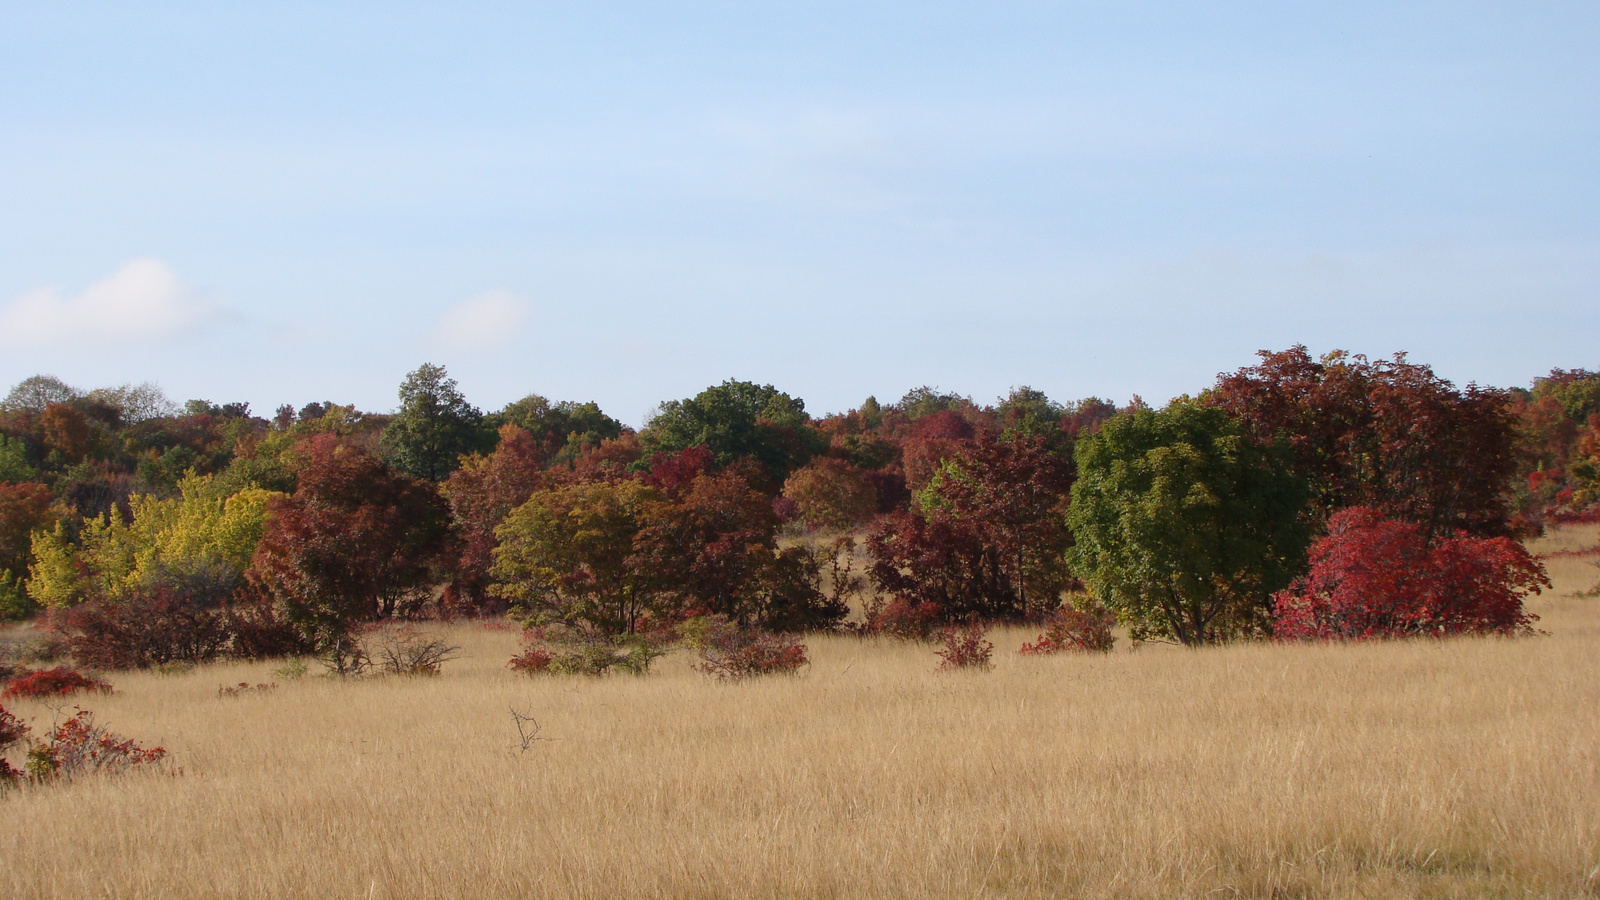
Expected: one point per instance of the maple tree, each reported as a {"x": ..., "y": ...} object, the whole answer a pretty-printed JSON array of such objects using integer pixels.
[
  {"x": 1375, "y": 577},
  {"x": 832, "y": 494}
]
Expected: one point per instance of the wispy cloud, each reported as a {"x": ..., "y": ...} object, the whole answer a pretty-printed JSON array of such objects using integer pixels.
[
  {"x": 142, "y": 300},
  {"x": 483, "y": 322}
]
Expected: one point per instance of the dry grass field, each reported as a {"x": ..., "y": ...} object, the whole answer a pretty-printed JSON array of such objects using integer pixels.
[{"x": 1463, "y": 768}]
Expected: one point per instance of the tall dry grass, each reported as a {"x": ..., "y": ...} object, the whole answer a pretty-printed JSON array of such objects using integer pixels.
[{"x": 1460, "y": 768}]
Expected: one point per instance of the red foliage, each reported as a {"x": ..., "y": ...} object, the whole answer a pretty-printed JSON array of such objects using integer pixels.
[
  {"x": 533, "y": 660},
  {"x": 23, "y": 508},
  {"x": 1083, "y": 631},
  {"x": 988, "y": 536},
  {"x": 965, "y": 647},
  {"x": 1390, "y": 435},
  {"x": 831, "y": 493},
  {"x": 730, "y": 652},
  {"x": 12, "y": 731},
  {"x": 152, "y": 626},
  {"x": 357, "y": 540},
  {"x": 1373, "y": 577},
  {"x": 902, "y": 618},
  {"x": 674, "y": 471},
  {"x": 481, "y": 493},
  {"x": 52, "y": 683},
  {"x": 79, "y": 746}
]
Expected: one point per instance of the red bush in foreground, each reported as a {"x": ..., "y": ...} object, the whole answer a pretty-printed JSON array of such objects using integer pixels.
[
  {"x": 1373, "y": 577},
  {"x": 52, "y": 683},
  {"x": 965, "y": 647},
  {"x": 731, "y": 652},
  {"x": 12, "y": 731},
  {"x": 78, "y": 746}
]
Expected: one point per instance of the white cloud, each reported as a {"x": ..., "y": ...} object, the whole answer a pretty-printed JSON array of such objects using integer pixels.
[
  {"x": 141, "y": 300},
  {"x": 484, "y": 322}
]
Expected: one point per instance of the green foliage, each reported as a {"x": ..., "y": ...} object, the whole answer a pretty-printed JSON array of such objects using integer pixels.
[
  {"x": 737, "y": 419},
  {"x": 564, "y": 555},
  {"x": 14, "y": 465},
  {"x": 434, "y": 426},
  {"x": 921, "y": 402},
  {"x": 563, "y": 429},
  {"x": 1184, "y": 526}
]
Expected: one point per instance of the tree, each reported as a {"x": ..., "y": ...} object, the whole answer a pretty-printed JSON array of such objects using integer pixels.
[
  {"x": 985, "y": 535},
  {"x": 734, "y": 420},
  {"x": 24, "y": 509},
  {"x": 831, "y": 493},
  {"x": 481, "y": 494},
  {"x": 566, "y": 555},
  {"x": 35, "y": 393},
  {"x": 434, "y": 425},
  {"x": 1373, "y": 577},
  {"x": 355, "y": 541},
  {"x": 1184, "y": 526},
  {"x": 1389, "y": 434},
  {"x": 563, "y": 430}
]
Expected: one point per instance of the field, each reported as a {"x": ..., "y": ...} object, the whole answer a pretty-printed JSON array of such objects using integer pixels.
[{"x": 1461, "y": 768}]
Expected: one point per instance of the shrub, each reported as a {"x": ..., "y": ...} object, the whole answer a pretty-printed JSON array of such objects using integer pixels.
[
  {"x": 405, "y": 651},
  {"x": 730, "y": 651},
  {"x": 52, "y": 683},
  {"x": 901, "y": 618},
  {"x": 965, "y": 646},
  {"x": 1083, "y": 631},
  {"x": 565, "y": 650},
  {"x": 1373, "y": 577},
  {"x": 12, "y": 731},
  {"x": 244, "y": 687},
  {"x": 260, "y": 632},
  {"x": 78, "y": 747},
  {"x": 151, "y": 627}
]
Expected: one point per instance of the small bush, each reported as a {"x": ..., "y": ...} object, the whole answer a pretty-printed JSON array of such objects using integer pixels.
[
  {"x": 12, "y": 731},
  {"x": 244, "y": 687},
  {"x": 564, "y": 650},
  {"x": 1074, "y": 630},
  {"x": 56, "y": 682},
  {"x": 78, "y": 747},
  {"x": 902, "y": 619},
  {"x": 46, "y": 648},
  {"x": 408, "y": 652},
  {"x": 731, "y": 652},
  {"x": 965, "y": 646}
]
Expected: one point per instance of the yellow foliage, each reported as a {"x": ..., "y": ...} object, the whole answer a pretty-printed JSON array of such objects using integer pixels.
[{"x": 201, "y": 525}]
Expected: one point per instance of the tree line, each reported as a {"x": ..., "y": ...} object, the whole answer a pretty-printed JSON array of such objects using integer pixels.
[{"x": 1254, "y": 508}]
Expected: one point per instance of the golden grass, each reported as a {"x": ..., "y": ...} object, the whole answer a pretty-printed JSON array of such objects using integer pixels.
[{"x": 1460, "y": 768}]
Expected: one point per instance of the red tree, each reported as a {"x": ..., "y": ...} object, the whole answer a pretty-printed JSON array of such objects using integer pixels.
[
  {"x": 481, "y": 493},
  {"x": 1373, "y": 577},
  {"x": 357, "y": 540},
  {"x": 1390, "y": 435}
]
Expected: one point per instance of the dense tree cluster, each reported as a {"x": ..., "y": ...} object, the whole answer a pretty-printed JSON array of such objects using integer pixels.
[{"x": 162, "y": 532}]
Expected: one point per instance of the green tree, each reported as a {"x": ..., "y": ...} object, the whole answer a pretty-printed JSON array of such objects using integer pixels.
[
  {"x": 1184, "y": 526},
  {"x": 564, "y": 555},
  {"x": 738, "y": 419},
  {"x": 434, "y": 425}
]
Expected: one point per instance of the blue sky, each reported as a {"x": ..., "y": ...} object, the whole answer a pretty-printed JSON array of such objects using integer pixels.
[{"x": 627, "y": 202}]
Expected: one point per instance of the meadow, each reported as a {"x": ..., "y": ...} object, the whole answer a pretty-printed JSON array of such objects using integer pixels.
[{"x": 1459, "y": 768}]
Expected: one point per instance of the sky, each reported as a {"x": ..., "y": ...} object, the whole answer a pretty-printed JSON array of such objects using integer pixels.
[{"x": 628, "y": 202}]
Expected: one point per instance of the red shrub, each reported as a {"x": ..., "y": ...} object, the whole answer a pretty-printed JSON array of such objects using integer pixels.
[
  {"x": 902, "y": 618},
  {"x": 78, "y": 746},
  {"x": 965, "y": 647},
  {"x": 532, "y": 661},
  {"x": 12, "y": 730},
  {"x": 1084, "y": 631},
  {"x": 52, "y": 683},
  {"x": 729, "y": 651},
  {"x": 1373, "y": 577}
]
